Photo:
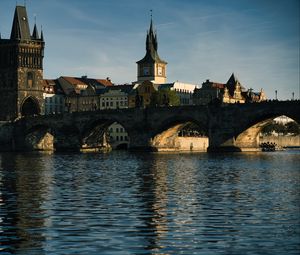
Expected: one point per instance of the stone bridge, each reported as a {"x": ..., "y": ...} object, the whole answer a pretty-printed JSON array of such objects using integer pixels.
[{"x": 232, "y": 127}]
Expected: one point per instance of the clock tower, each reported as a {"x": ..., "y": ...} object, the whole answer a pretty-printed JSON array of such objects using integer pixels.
[{"x": 151, "y": 67}]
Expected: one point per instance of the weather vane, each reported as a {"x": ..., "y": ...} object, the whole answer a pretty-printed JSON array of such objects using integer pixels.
[{"x": 151, "y": 13}]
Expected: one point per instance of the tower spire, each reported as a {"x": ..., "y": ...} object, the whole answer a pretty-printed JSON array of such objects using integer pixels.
[
  {"x": 20, "y": 28},
  {"x": 151, "y": 41},
  {"x": 151, "y": 12},
  {"x": 151, "y": 67},
  {"x": 35, "y": 33},
  {"x": 42, "y": 34}
]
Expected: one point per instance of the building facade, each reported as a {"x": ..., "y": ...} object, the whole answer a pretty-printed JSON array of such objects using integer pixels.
[
  {"x": 228, "y": 93},
  {"x": 115, "y": 97},
  {"x": 183, "y": 90},
  {"x": 117, "y": 136},
  {"x": 83, "y": 93},
  {"x": 21, "y": 69},
  {"x": 54, "y": 99}
]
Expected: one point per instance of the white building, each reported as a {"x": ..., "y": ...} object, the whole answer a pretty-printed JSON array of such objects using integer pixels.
[
  {"x": 115, "y": 97},
  {"x": 183, "y": 90},
  {"x": 118, "y": 137},
  {"x": 54, "y": 100}
]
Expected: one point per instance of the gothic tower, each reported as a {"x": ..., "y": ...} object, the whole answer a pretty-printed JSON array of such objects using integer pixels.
[
  {"x": 151, "y": 67},
  {"x": 21, "y": 69}
]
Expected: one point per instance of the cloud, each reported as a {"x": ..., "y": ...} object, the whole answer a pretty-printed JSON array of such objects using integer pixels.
[{"x": 259, "y": 41}]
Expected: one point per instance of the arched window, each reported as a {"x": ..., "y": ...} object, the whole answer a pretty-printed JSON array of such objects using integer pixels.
[{"x": 30, "y": 80}]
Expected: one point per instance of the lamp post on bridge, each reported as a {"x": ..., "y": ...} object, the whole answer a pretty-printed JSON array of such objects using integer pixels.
[
  {"x": 275, "y": 94},
  {"x": 293, "y": 96}
]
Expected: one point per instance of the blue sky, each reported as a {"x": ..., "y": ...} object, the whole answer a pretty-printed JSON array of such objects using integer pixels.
[{"x": 258, "y": 40}]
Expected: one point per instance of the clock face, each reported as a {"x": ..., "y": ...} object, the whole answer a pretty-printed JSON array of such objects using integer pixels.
[
  {"x": 146, "y": 70},
  {"x": 159, "y": 70}
]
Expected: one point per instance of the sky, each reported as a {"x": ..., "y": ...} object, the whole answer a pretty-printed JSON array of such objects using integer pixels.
[{"x": 257, "y": 40}]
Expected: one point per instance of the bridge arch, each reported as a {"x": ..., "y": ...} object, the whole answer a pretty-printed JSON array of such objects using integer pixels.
[
  {"x": 44, "y": 137},
  {"x": 247, "y": 137},
  {"x": 180, "y": 134},
  {"x": 39, "y": 138},
  {"x": 104, "y": 134}
]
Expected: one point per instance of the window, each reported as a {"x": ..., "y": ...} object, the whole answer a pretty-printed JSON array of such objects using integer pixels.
[{"x": 30, "y": 82}]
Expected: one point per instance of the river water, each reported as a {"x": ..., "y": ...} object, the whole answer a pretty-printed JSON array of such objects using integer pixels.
[{"x": 150, "y": 203}]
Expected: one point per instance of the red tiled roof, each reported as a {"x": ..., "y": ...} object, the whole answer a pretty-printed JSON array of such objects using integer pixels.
[
  {"x": 218, "y": 85},
  {"x": 73, "y": 80},
  {"x": 105, "y": 82},
  {"x": 48, "y": 82}
]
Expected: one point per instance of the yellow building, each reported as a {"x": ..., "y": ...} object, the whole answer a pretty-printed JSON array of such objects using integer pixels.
[{"x": 141, "y": 95}]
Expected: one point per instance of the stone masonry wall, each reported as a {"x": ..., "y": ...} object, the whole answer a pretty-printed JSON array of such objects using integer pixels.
[{"x": 282, "y": 141}]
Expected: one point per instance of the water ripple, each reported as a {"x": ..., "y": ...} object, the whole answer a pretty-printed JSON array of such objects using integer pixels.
[{"x": 125, "y": 203}]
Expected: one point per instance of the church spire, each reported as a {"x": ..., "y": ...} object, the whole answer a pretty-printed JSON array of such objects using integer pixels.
[
  {"x": 151, "y": 23},
  {"x": 151, "y": 44},
  {"x": 151, "y": 41}
]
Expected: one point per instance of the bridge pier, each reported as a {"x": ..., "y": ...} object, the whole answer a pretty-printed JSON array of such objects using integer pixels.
[
  {"x": 140, "y": 141},
  {"x": 67, "y": 142},
  {"x": 224, "y": 140}
]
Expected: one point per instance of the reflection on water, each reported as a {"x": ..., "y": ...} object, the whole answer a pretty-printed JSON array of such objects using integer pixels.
[{"x": 125, "y": 203}]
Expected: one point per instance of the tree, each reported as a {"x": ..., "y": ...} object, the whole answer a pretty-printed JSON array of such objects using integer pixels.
[
  {"x": 280, "y": 128},
  {"x": 164, "y": 97},
  {"x": 292, "y": 128}
]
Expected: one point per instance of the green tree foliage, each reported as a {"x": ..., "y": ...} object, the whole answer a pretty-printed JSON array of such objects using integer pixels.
[
  {"x": 164, "y": 97},
  {"x": 290, "y": 128},
  {"x": 192, "y": 129}
]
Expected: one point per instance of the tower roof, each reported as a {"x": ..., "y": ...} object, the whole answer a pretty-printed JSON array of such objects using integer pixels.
[
  {"x": 35, "y": 33},
  {"x": 20, "y": 28},
  {"x": 151, "y": 47},
  {"x": 232, "y": 82},
  {"x": 42, "y": 35}
]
